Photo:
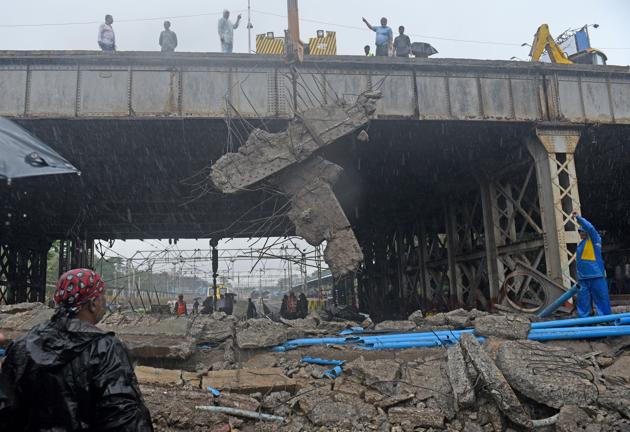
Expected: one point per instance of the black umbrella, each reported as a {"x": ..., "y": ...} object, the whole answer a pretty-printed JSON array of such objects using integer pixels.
[{"x": 24, "y": 155}]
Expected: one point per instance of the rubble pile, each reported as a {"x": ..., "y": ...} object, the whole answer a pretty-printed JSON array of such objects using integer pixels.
[{"x": 221, "y": 374}]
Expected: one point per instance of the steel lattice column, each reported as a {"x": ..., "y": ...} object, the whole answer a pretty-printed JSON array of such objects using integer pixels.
[
  {"x": 75, "y": 253},
  {"x": 553, "y": 152},
  {"x": 23, "y": 272}
]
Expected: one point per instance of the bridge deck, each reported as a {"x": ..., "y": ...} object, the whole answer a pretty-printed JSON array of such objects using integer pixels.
[{"x": 84, "y": 84}]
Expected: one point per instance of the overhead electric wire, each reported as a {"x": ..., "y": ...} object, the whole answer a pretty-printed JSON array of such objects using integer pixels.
[{"x": 170, "y": 17}]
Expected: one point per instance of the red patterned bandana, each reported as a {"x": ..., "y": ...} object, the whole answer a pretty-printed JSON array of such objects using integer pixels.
[{"x": 76, "y": 287}]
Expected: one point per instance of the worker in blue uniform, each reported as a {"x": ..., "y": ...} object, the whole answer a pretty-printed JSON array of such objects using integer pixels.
[{"x": 590, "y": 271}]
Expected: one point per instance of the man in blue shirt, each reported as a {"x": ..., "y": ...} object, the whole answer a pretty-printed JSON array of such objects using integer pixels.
[
  {"x": 384, "y": 37},
  {"x": 590, "y": 271}
]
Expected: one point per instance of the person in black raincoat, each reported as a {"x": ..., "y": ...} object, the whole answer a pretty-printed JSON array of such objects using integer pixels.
[
  {"x": 302, "y": 306},
  {"x": 251, "y": 309},
  {"x": 68, "y": 375}
]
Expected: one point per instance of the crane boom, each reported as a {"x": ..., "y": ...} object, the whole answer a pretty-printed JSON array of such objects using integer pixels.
[{"x": 543, "y": 41}]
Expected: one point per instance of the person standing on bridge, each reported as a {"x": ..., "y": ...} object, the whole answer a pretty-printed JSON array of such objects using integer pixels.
[
  {"x": 66, "y": 374},
  {"x": 384, "y": 37},
  {"x": 402, "y": 43},
  {"x": 226, "y": 31},
  {"x": 106, "y": 36},
  {"x": 168, "y": 38},
  {"x": 590, "y": 271}
]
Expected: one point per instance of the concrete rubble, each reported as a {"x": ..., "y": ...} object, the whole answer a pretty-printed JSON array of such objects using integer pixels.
[
  {"x": 506, "y": 383},
  {"x": 288, "y": 161}
]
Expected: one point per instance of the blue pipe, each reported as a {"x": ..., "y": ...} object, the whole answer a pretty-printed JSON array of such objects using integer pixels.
[
  {"x": 352, "y": 330},
  {"x": 604, "y": 332},
  {"x": 401, "y": 345},
  {"x": 414, "y": 338},
  {"x": 558, "y": 302},
  {"x": 324, "y": 362},
  {"x": 334, "y": 372},
  {"x": 411, "y": 344},
  {"x": 593, "y": 329},
  {"x": 576, "y": 321},
  {"x": 404, "y": 336},
  {"x": 622, "y": 321},
  {"x": 214, "y": 391}
]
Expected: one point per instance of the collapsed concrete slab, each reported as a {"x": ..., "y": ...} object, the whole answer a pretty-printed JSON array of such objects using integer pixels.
[
  {"x": 287, "y": 160},
  {"x": 265, "y": 154},
  {"x": 494, "y": 381},
  {"x": 317, "y": 215},
  {"x": 550, "y": 375},
  {"x": 463, "y": 387}
]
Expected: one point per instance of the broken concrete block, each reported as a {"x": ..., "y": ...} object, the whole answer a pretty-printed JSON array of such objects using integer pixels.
[
  {"x": 249, "y": 380},
  {"x": 149, "y": 375},
  {"x": 503, "y": 326},
  {"x": 265, "y": 154},
  {"x": 334, "y": 327},
  {"x": 495, "y": 382},
  {"x": 436, "y": 320},
  {"x": 286, "y": 160},
  {"x": 206, "y": 329},
  {"x": 240, "y": 401},
  {"x": 545, "y": 373},
  {"x": 463, "y": 387},
  {"x": 393, "y": 400},
  {"x": 458, "y": 318},
  {"x": 158, "y": 347},
  {"x": 416, "y": 417},
  {"x": 327, "y": 408},
  {"x": 21, "y": 307},
  {"x": 277, "y": 402},
  {"x": 615, "y": 398},
  {"x": 395, "y": 326},
  {"x": 417, "y": 317},
  {"x": 192, "y": 378},
  {"x": 620, "y": 369},
  {"x": 18, "y": 323},
  {"x": 429, "y": 381},
  {"x": 571, "y": 418},
  {"x": 260, "y": 333},
  {"x": 317, "y": 215},
  {"x": 373, "y": 372}
]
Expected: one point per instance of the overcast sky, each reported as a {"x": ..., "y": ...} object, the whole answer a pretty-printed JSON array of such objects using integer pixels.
[
  {"x": 482, "y": 29},
  {"x": 493, "y": 22}
]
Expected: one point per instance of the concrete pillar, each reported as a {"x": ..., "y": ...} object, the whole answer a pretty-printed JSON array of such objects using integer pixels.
[{"x": 553, "y": 152}]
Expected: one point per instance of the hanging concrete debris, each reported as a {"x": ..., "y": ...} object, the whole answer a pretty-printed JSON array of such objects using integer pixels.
[{"x": 287, "y": 160}]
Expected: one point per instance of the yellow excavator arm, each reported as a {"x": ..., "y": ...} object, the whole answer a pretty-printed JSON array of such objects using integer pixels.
[{"x": 543, "y": 41}]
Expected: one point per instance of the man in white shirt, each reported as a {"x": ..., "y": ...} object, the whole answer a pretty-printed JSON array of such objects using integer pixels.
[
  {"x": 226, "y": 31},
  {"x": 106, "y": 36}
]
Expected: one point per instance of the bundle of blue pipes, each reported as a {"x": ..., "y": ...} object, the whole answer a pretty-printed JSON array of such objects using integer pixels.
[{"x": 575, "y": 328}]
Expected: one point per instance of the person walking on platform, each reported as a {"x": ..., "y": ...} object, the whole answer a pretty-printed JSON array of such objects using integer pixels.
[{"x": 590, "y": 271}]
